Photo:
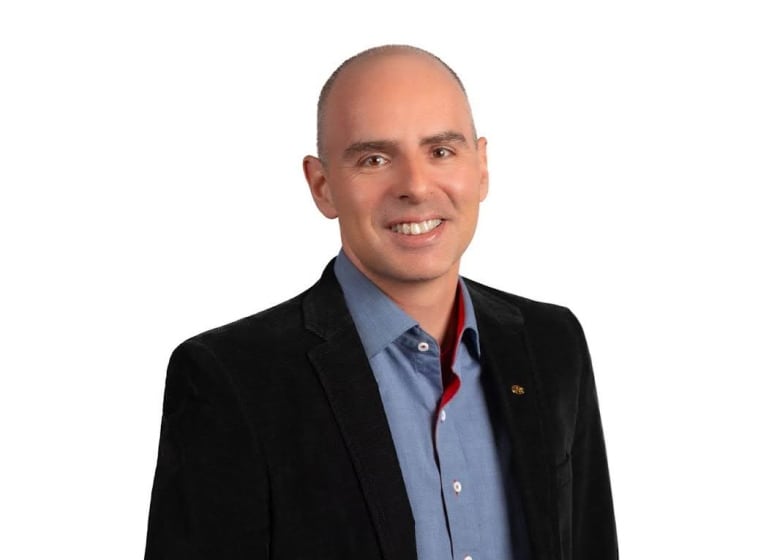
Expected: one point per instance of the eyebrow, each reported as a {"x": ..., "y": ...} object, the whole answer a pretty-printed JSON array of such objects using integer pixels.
[
  {"x": 369, "y": 146},
  {"x": 363, "y": 146},
  {"x": 443, "y": 138}
]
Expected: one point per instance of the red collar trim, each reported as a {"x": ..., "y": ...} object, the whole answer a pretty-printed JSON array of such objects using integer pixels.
[{"x": 449, "y": 348}]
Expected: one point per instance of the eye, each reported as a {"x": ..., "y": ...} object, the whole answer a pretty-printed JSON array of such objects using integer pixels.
[
  {"x": 374, "y": 160},
  {"x": 442, "y": 152}
]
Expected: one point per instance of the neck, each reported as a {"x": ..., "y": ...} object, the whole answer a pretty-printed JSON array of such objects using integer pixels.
[{"x": 431, "y": 303}]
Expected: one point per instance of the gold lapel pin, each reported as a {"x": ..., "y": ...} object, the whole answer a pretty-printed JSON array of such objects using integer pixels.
[{"x": 518, "y": 389}]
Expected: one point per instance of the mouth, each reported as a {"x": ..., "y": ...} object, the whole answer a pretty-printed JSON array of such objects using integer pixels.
[{"x": 416, "y": 228}]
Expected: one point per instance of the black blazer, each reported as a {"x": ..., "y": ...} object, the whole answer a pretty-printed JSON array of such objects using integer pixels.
[{"x": 275, "y": 444}]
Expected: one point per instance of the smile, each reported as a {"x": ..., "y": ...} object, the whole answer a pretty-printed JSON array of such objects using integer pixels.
[{"x": 416, "y": 228}]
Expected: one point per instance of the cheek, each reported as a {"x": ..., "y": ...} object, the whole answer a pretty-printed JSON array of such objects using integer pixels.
[
  {"x": 356, "y": 204},
  {"x": 467, "y": 191},
  {"x": 346, "y": 193}
]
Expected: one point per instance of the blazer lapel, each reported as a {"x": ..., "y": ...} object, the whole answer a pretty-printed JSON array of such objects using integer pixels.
[
  {"x": 506, "y": 363},
  {"x": 346, "y": 376}
]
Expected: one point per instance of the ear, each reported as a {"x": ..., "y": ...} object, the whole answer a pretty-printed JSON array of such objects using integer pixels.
[
  {"x": 484, "y": 176},
  {"x": 316, "y": 176}
]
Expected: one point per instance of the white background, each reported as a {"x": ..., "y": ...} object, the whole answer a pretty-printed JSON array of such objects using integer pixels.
[{"x": 152, "y": 188}]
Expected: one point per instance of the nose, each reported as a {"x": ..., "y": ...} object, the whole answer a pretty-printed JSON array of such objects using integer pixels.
[{"x": 413, "y": 181}]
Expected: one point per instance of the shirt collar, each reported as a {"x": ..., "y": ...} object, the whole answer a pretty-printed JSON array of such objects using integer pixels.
[{"x": 379, "y": 321}]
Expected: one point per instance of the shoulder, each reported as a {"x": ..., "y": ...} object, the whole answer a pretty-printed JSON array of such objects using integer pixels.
[
  {"x": 531, "y": 313},
  {"x": 280, "y": 334},
  {"x": 552, "y": 334},
  {"x": 266, "y": 335},
  {"x": 274, "y": 322}
]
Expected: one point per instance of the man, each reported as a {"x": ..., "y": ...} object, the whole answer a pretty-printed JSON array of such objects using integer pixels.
[{"x": 393, "y": 410}]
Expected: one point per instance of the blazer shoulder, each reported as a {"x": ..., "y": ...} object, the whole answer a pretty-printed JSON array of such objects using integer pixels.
[
  {"x": 270, "y": 328},
  {"x": 531, "y": 312},
  {"x": 283, "y": 331},
  {"x": 552, "y": 331}
]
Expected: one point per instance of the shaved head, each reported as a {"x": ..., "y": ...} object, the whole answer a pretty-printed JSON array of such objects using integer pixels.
[
  {"x": 399, "y": 166},
  {"x": 375, "y": 52}
]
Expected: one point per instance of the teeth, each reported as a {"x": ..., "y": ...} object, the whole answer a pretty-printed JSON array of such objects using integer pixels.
[{"x": 416, "y": 228}]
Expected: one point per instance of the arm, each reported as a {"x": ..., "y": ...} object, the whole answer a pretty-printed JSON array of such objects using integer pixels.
[
  {"x": 210, "y": 494},
  {"x": 593, "y": 521}
]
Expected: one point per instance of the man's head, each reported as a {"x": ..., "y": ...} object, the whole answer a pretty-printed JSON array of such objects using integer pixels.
[
  {"x": 375, "y": 51},
  {"x": 400, "y": 164}
]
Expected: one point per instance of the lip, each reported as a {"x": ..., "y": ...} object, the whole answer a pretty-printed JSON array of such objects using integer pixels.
[
  {"x": 414, "y": 219},
  {"x": 416, "y": 241}
]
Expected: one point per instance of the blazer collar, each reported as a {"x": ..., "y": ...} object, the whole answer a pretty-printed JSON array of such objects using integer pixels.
[
  {"x": 345, "y": 373},
  {"x": 346, "y": 377},
  {"x": 508, "y": 366}
]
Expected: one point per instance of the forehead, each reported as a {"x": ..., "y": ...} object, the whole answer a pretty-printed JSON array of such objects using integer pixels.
[{"x": 395, "y": 94}]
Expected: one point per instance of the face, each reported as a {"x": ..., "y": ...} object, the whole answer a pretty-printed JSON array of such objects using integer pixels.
[{"x": 404, "y": 174}]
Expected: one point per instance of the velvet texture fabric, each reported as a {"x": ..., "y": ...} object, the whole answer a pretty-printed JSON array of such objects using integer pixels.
[{"x": 275, "y": 445}]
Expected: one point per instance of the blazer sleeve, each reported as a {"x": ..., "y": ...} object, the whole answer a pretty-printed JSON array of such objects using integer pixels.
[
  {"x": 210, "y": 492},
  {"x": 594, "y": 536}
]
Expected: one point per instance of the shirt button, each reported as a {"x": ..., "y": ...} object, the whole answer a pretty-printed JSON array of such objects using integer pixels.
[
  {"x": 468, "y": 557},
  {"x": 457, "y": 486},
  {"x": 423, "y": 347},
  {"x": 443, "y": 415}
]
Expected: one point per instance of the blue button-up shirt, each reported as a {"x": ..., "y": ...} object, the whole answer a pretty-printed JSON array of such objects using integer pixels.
[{"x": 453, "y": 459}]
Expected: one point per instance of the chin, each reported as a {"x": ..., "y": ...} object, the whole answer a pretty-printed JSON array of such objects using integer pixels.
[
  {"x": 420, "y": 272},
  {"x": 406, "y": 268}
]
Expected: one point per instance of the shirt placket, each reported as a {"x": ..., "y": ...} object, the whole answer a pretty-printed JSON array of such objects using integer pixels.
[{"x": 458, "y": 494}]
